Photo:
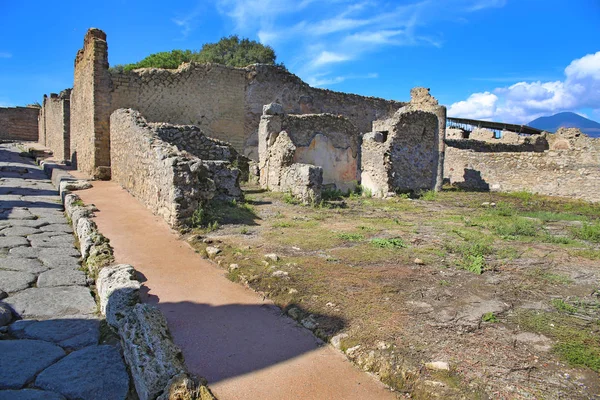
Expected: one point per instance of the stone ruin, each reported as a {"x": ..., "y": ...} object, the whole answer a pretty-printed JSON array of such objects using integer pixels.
[
  {"x": 302, "y": 154},
  {"x": 566, "y": 163},
  {"x": 177, "y": 138}
]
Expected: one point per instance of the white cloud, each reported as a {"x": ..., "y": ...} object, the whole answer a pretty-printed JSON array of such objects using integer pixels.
[
  {"x": 322, "y": 80},
  {"x": 4, "y": 54},
  {"x": 525, "y": 101},
  {"x": 477, "y": 106},
  {"x": 327, "y": 57},
  {"x": 330, "y": 32}
]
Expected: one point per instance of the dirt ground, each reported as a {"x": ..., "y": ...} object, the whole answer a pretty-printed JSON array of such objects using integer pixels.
[{"x": 501, "y": 290}]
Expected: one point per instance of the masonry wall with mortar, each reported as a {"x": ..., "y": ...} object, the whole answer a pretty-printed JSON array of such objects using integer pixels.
[
  {"x": 401, "y": 154},
  {"x": 566, "y": 164},
  {"x": 170, "y": 182},
  {"x": 55, "y": 129},
  {"x": 90, "y": 107},
  {"x": 323, "y": 140},
  {"x": 19, "y": 123}
]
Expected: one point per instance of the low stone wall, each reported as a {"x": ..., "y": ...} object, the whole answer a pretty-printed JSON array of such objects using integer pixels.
[
  {"x": 568, "y": 166},
  {"x": 56, "y": 112},
  {"x": 191, "y": 139},
  {"x": 156, "y": 364},
  {"x": 401, "y": 154},
  {"x": 172, "y": 183},
  {"x": 19, "y": 123}
]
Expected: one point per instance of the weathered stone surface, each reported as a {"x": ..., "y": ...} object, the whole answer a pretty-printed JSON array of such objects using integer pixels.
[
  {"x": 13, "y": 281},
  {"x": 94, "y": 373},
  {"x": 29, "y": 265},
  {"x": 13, "y": 241},
  {"x": 150, "y": 353},
  {"x": 118, "y": 291},
  {"x": 57, "y": 228},
  {"x": 62, "y": 262},
  {"x": 27, "y": 252},
  {"x": 65, "y": 251},
  {"x": 5, "y": 314},
  {"x": 61, "y": 277},
  {"x": 19, "y": 231},
  {"x": 85, "y": 230},
  {"x": 29, "y": 394},
  {"x": 45, "y": 303},
  {"x": 75, "y": 185},
  {"x": 68, "y": 333},
  {"x": 64, "y": 241},
  {"x": 21, "y": 360}
]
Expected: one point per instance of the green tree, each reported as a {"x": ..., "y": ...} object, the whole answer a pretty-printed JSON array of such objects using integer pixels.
[{"x": 231, "y": 51}]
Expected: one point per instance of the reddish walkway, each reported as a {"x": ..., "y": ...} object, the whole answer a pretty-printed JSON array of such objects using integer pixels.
[{"x": 229, "y": 335}]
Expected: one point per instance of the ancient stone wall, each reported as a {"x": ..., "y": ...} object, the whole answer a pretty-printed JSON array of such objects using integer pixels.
[
  {"x": 169, "y": 181},
  {"x": 565, "y": 166},
  {"x": 42, "y": 123},
  {"x": 210, "y": 96},
  {"x": 19, "y": 123},
  {"x": 270, "y": 84},
  {"x": 90, "y": 107},
  {"x": 402, "y": 153},
  {"x": 324, "y": 140},
  {"x": 56, "y": 112},
  {"x": 278, "y": 168}
]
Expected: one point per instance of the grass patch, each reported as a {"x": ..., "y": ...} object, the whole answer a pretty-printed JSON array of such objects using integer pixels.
[
  {"x": 517, "y": 227},
  {"x": 547, "y": 216},
  {"x": 211, "y": 214},
  {"x": 563, "y": 306},
  {"x": 282, "y": 224},
  {"x": 352, "y": 237},
  {"x": 472, "y": 251},
  {"x": 550, "y": 277},
  {"x": 589, "y": 232},
  {"x": 428, "y": 195},
  {"x": 578, "y": 341},
  {"x": 590, "y": 254},
  {"x": 392, "y": 243}
]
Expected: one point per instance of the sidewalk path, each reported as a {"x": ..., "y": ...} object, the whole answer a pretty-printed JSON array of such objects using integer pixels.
[
  {"x": 53, "y": 352},
  {"x": 241, "y": 344}
]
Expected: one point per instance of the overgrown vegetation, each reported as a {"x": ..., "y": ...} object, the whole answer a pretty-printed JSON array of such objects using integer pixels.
[{"x": 231, "y": 51}]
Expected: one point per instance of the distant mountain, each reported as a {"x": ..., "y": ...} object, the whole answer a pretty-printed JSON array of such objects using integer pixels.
[{"x": 567, "y": 120}]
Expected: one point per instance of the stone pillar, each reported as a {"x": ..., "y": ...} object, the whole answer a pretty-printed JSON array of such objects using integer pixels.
[{"x": 90, "y": 104}]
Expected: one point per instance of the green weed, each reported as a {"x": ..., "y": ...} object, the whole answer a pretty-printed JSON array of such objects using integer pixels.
[
  {"x": 563, "y": 306},
  {"x": 392, "y": 243},
  {"x": 589, "y": 232},
  {"x": 428, "y": 195},
  {"x": 352, "y": 237},
  {"x": 489, "y": 317}
]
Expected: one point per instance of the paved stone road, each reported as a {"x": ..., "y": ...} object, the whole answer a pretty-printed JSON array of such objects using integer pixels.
[{"x": 49, "y": 331}]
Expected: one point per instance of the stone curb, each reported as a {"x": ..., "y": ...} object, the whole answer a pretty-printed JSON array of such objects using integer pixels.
[{"x": 155, "y": 362}]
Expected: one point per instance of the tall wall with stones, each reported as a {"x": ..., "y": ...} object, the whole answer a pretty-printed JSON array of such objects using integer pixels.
[
  {"x": 19, "y": 123},
  {"x": 56, "y": 112},
  {"x": 565, "y": 166},
  {"x": 210, "y": 96},
  {"x": 91, "y": 107},
  {"x": 402, "y": 153},
  {"x": 270, "y": 84},
  {"x": 42, "y": 123}
]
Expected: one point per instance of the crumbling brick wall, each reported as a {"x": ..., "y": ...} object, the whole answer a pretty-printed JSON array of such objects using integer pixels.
[
  {"x": 169, "y": 181},
  {"x": 563, "y": 164},
  {"x": 91, "y": 106},
  {"x": 401, "y": 154},
  {"x": 19, "y": 123},
  {"x": 56, "y": 112}
]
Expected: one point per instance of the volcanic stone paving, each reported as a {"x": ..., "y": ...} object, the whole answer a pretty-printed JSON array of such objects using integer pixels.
[{"x": 49, "y": 330}]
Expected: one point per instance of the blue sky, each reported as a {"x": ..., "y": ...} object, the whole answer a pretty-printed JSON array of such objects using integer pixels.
[{"x": 508, "y": 60}]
